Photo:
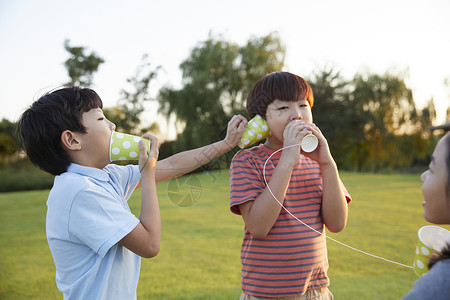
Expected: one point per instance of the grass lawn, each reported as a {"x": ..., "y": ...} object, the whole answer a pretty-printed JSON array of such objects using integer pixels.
[{"x": 199, "y": 257}]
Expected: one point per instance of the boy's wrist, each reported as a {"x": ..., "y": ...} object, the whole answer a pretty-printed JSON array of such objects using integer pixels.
[
  {"x": 330, "y": 165},
  {"x": 226, "y": 145},
  {"x": 148, "y": 174},
  {"x": 289, "y": 157},
  {"x": 287, "y": 163}
]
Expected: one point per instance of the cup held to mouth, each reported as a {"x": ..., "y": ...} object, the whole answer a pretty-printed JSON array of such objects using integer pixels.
[
  {"x": 125, "y": 146},
  {"x": 309, "y": 143}
]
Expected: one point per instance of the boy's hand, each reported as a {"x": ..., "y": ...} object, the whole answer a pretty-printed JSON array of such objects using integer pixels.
[
  {"x": 235, "y": 130},
  {"x": 292, "y": 136},
  {"x": 322, "y": 153},
  {"x": 148, "y": 157}
]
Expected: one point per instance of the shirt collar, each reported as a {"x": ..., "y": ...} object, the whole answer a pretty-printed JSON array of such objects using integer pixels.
[{"x": 88, "y": 171}]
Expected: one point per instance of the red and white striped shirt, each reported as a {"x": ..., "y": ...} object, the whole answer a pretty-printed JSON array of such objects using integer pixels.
[{"x": 291, "y": 258}]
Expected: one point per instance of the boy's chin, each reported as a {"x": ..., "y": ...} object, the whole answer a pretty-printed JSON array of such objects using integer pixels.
[{"x": 435, "y": 220}]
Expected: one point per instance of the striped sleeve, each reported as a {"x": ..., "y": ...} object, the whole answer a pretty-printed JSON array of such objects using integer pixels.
[{"x": 246, "y": 181}]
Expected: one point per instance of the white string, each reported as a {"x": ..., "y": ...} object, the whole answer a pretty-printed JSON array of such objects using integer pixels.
[{"x": 336, "y": 241}]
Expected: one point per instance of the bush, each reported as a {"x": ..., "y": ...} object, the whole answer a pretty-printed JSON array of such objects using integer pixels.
[{"x": 23, "y": 175}]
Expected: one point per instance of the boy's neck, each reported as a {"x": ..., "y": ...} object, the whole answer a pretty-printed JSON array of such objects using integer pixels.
[
  {"x": 272, "y": 145},
  {"x": 87, "y": 161}
]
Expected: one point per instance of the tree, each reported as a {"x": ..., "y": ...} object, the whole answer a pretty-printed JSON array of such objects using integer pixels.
[
  {"x": 80, "y": 66},
  {"x": 371, "y": 122},
  {"x": 216, "y": 79},
  {"x": 7, "y": 140},
  {"x": 390, "y": 111},
  {"x": 126, "y": 115},
  {"x": 423, "y": 141},
  {"x": 424, "y": 118},
  {"x": 340, "y": 123},
  {"x": 447, "y": 112}
]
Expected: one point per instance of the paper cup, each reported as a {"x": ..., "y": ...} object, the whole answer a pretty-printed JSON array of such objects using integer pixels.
[
  {"x": 309, "y": 143},
  {"x": 125, "y": 146},
  {"x": 430, "y": 239},
  {"x": 255, "y": 131}
]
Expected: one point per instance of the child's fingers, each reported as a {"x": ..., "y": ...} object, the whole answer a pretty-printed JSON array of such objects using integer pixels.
[
  {"x": 148, "y": 136},
  {"x": 143, "y": 150},
  {"x": 297, "y": 130},
  {"x": 307, "y": 127},
  {"x": 237, "y": 123},
  {"x": 241, "y": 123},
  {"x": 148, "y": 156},
  {"x": 153, "y": 151},
  {"x": 235, "y": 129}
]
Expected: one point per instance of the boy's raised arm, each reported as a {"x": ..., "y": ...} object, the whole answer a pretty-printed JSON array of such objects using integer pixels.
[
  {"x": 334, "y": 204},
  {"x": 187, "y": 161},
  {"x": 145, "y": 238}
]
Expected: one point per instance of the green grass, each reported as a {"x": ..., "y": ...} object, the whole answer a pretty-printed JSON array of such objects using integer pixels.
[{"x": 199, "y": 257}]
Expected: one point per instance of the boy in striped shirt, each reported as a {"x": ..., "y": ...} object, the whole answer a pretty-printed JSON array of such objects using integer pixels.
[{"x": 282, "y": 258}]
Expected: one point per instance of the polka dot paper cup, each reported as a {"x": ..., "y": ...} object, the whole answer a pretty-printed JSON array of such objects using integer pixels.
[
  {"x": 430, "y": 239},
  {"x": 255, "y": 131},
  {"x": 125, "y": 146}
]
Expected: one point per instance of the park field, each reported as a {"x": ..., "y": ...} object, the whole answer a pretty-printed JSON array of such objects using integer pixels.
[{"x": 199, "y": 257}]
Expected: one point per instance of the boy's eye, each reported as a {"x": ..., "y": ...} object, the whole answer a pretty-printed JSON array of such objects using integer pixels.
[
  {"x": 101, "y": 118},
  {"x": 283, "y": 107}
]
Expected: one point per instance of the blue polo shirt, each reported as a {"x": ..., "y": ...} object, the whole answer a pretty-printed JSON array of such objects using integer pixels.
[{"x": 87, "y": 215}]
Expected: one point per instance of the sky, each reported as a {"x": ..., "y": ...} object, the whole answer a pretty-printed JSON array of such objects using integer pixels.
[{"x": 404, "y": 37}]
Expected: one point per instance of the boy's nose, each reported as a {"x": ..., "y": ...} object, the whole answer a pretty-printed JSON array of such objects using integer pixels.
[
  {"x": 113, "y": 126},
  {"x": 296, "y": 115},
  {"x": 422, "y": 177}
]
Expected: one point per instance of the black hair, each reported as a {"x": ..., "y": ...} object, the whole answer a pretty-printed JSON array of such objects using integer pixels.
[
  {"x": 445, "y": 253},
  {"x": 447, "y": 161},
  {"x": 283, "y": 86},
  {"x": 40, "y": 127}
]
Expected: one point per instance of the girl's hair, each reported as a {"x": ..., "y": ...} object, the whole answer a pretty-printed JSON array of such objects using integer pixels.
[
  {"x": 277, "y": 86},
  {"x": 40, "y": 127},
  {"x": 446, "y": 251},
  {"x": 447, "y": 161},
  {"x": 435, "y": 258}
]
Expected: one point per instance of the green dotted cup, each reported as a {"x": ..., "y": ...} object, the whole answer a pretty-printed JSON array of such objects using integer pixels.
[
  {"x": 430, "y": 239},
  {"x": 125, "y": 146},
  {"x": 255, "y": 131}
]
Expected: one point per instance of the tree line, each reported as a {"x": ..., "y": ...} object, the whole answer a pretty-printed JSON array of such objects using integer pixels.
[{"x": 370, "y": 121}]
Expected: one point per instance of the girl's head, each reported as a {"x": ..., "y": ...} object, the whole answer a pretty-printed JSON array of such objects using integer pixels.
[
  {"x": 277, "y": 86},
  {"x": 436, "y": 184},
  {"x": 40, "y": 127}
]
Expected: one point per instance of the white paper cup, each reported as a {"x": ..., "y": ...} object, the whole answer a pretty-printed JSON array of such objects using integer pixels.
[
  {"x": 430, "y": 239},
  {"x": 309, "y": 143},
  {"x": 125, "y": 146}
]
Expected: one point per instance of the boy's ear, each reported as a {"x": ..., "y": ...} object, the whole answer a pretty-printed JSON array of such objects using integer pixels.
[{"x": 70, "y": 140}]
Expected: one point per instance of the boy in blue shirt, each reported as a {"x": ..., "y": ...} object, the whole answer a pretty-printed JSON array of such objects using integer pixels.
[{"x": 95, "y": 240}]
